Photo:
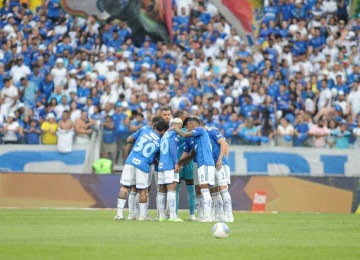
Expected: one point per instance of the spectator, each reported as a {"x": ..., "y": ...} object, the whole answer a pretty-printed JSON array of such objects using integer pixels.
[
  {"x": 49, "y": 128},
  {"x": 83, "y": 128},
  {"x": 109, "y": 139},
  {"x": 341, "y": 135},
  {"x": 28, "y": 91},
  {"x": 24, "y": 128},
  {"x": 319, "y": 132},
  {"x": 10, "y": 93},
  {"x": 11, "y": 130},
  {"x": 285, "y": 131},
  {"x": 267, "y": 131},
  {"x": 248, "y": 131},
  {"x": 65, "y": 133},
  {"x": 20, "y": 70},
  {"x": 33, "y": 133}
]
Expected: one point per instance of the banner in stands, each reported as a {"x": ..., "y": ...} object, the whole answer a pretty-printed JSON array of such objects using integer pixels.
[
  {"x": 44, "y": 158},
  {"x": 283, "y": 194},
  {"x": 244, "y": 15},
  {"x": 144, "y": 17},
  {"x": 256, "y": 160}
]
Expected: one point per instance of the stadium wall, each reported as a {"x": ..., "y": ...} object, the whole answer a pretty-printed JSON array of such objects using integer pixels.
[
  {"x": 284, "y": 194},
  {"x": 275, "y": 161},
  {"x": 47, "y": 159},
  {"x": 244, "y": 160}
]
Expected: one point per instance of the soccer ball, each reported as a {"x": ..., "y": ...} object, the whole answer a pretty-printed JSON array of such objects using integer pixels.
[{"x": 220, "y": 230}]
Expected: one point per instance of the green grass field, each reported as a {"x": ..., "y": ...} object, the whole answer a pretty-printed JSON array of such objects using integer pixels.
[{"x": 73, "y": 234}]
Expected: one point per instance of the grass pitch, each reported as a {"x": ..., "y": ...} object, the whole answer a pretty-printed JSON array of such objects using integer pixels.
[{"x": 73, "y": 234}]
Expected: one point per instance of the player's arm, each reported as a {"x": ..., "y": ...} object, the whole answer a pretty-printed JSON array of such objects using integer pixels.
[
  {"x": 227, "y": 152},
  {"x": 130, "y": 141},
  {"x": 182, "y": 133},
  {"x": 186, "y": 157},
  {"x": 223, "y": 147}
]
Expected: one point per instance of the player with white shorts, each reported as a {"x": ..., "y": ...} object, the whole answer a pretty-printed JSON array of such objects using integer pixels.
[
  {"x": 204, "y": 160},
  {"x": 168, "y": 175},
  {"x": 219, "y": 193},
  {"x": 137, "y": 166}
]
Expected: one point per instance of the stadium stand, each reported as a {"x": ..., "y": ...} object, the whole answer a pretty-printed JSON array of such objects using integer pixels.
[{"x": 297, "y": 86}]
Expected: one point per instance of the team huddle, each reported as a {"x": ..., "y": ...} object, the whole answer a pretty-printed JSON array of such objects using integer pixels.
[{"x": 187, "y": 150}]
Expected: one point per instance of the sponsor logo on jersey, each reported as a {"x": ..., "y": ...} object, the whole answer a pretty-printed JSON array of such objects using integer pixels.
[{"x": 136, "y": 161}]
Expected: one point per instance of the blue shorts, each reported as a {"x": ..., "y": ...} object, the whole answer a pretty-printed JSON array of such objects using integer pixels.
[{"x": 187, "y": 172}]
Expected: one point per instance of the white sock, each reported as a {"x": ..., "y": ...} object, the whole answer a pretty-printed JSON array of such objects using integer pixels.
[
  {"x": 142, "y": 207},
  {"x": 137, "y": 207},
  {"x": 120, "y": 206},
  {"x": 207, "y": 202},
  {"x": 131, "y": 202},
  {"x": 227, "y": 202},
  {"x": 219, "y": 207},
  {"x": 161, "y": 200},
  {"x": 199, "y": 202},
  {"x": 213, "y": 205},
  {"x": 171, "y": 198}
]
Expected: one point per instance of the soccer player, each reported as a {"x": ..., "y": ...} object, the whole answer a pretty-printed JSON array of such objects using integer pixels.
[
  {"x": 134, "y": 195},
  {"x": 204, "y": 159},
  {"x": 137, "y": 166},
  {"x": 168, "y": 175},
  {"x": 166, "y": 114},
  {"x": 187, "y": 171},
  {"x": 219, "y": 193}
]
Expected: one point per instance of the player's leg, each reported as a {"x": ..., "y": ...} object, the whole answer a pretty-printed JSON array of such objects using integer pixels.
[
  {"x": 132, "y": 202},
  {"x": 206, "y": 178},
  {"x": 225, "y": 194},
  {"x": 220, "y": 180},
  {"x": 199, "y": 202},
  {"x": 161, "y": 196},
  {"x": 142, "y": 180},
  {"x": 178, "y": 187},
  {"x": 127, "y": 179},
  {"x": 171, "y": 180},
  {"x": 190, "y": 188},
  {"x": 147, "y": 196}
]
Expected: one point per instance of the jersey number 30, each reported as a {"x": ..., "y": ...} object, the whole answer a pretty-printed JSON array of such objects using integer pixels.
[{"x": 147, "y": 149}]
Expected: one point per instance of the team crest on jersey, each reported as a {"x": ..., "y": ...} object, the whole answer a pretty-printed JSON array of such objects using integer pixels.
[{"x": 136, "y": 161}]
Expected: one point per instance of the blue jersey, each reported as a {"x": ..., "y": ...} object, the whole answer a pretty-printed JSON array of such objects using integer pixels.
[
  {"x": 203, "y": 153},
  {"x": 147, "y": 145},
  {"x": 168, "y": 151},
  {"x": 181, "y": 145},
  {"x": 215, "y": 136}
]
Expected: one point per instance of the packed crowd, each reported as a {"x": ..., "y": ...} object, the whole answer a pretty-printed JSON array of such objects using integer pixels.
[{"x": 298, "y": 85}]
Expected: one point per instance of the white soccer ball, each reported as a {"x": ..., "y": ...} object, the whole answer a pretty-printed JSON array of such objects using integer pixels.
[{"x": 220, "y": 230}]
